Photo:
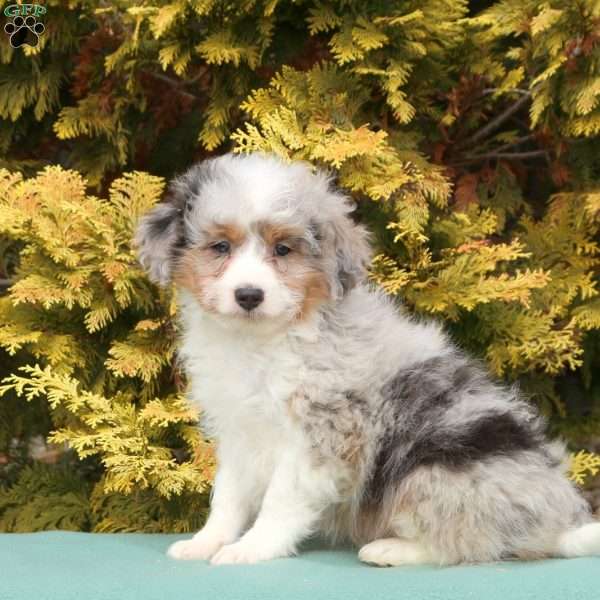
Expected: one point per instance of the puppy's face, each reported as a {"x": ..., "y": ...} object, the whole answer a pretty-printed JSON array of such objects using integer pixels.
[
  {"x": 254, "y": 239},
  {"x": 254, "y": 270}
]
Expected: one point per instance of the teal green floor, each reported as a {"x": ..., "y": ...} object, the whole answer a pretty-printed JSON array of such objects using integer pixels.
[{"x": 79, "y": 566}]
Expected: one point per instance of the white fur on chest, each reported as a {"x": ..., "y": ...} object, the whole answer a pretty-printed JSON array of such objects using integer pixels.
[{"x": 241, "y": 382}]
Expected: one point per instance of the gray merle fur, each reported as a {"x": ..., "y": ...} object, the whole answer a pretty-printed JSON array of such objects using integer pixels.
[{"x": 420, "y": 430}]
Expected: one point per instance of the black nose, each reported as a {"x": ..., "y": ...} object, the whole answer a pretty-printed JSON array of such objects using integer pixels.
[{"x": 249, "y": 297}]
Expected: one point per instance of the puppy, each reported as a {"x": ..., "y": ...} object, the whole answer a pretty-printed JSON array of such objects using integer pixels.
[{"x": 333, "y": 412}]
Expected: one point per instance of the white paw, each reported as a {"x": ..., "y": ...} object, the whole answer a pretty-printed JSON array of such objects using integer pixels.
[
  {"x": 243, "y": 552},
  {"x": 200, "y": 547},
  {"x": 393, "y": 552}
]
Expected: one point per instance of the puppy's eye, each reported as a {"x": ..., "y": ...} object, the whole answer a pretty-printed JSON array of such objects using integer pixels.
[
  {"x": 221, "y": 247},
  {"x": 282, "y": 249}
]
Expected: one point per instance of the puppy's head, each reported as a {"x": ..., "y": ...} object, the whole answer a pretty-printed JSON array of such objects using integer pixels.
[{"x": 253, "y": 238}]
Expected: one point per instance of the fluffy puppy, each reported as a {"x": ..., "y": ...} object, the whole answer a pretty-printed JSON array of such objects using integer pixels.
[{"x": 333, "y": 412}]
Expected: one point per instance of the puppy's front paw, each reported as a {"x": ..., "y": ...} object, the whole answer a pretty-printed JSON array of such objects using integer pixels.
[
  {"x": 200, "y": 547},
  {"x": 243, "y": 552}
]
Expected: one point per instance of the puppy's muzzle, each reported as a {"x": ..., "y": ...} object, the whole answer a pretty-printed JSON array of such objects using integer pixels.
[{"x": 249, "y": 297}]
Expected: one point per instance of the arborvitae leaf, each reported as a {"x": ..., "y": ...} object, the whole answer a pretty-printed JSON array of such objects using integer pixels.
[{"x": 395, "y": 100}]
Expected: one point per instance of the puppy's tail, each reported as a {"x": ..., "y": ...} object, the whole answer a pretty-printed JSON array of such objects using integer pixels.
[{"x": 583, "y": 541}]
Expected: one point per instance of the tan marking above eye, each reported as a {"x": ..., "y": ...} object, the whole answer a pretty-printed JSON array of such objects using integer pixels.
[
  {"x": 273, "y": 233},
  {"x": 229, "y": 232}
]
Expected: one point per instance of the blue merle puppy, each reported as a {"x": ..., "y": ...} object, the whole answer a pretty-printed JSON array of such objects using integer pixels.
[{"x": 333, "y": 411}]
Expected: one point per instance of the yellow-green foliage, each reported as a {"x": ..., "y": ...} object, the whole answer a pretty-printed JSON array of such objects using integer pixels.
[
  {"x": 582, "y": 464},
  {"x": 560, "y": 58},
  {"x": 468, "y": 139},
  {"x": 81, "y": 307}
]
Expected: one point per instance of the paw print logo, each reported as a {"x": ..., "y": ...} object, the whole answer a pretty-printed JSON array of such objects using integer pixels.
[{"x": 24, "y": 31}]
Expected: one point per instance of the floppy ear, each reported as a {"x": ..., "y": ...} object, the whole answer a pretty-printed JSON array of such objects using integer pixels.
[
  {"x": 161, "y": 233},
  {"x": 157, "y": 237},
  {"x": 352, "y": 251}
]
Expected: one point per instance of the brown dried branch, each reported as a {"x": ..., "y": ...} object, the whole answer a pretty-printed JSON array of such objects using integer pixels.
[
  {"x": 502, "y": 155},
  {"x": 496, "y": 122}
]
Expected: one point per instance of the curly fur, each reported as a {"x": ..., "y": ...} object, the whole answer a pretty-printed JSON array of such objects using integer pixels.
[{"x": 333, "y": 411}]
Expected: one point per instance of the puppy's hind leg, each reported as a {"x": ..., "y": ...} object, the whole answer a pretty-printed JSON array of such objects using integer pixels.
[
  {"x": 583, "y": 541},
  {"x": 394, "y": 552}
]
